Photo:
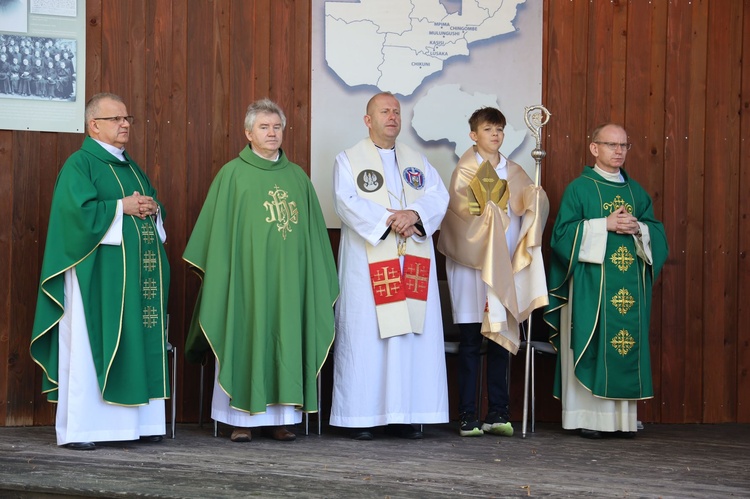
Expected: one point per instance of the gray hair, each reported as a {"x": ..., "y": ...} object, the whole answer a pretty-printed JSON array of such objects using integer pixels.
[
  {"x": 262, "y": 106},
  {"x": 92, "y": 106}
]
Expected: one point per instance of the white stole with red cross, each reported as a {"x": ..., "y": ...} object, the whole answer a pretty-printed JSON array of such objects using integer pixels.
[{"x": 400, "y": 296}]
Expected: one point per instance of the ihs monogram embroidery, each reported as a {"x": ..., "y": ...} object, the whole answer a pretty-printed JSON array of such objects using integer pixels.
[{"x": 281, "y": 211}]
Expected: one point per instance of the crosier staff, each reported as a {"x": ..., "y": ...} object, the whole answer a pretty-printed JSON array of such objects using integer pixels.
[{"x": 535, "y": 117}]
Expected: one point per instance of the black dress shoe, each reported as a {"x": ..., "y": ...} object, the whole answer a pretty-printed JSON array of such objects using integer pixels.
[
  {"x": 625, "y": 434},
  {"x": 152, "y": 439},
  {"x": 592, "y": 434},
  {"x": 80, "y": 446},
  {"x": 404, "y": 431},
  {"x": 361, "y": 434}
]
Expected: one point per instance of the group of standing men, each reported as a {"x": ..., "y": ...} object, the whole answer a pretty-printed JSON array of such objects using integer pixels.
[
  {"x": 271, "y": 298},
  {"x": 41, "y": 68}
]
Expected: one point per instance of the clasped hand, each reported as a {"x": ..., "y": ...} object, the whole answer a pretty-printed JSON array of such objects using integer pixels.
[
  {"x": 622, "y": 222},
  {"x": 402, "y": 221},
  {"x": 139, "y": 205}
]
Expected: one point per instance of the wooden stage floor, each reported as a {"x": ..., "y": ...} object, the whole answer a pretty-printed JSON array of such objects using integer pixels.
[{"x": 662, "y": 461}]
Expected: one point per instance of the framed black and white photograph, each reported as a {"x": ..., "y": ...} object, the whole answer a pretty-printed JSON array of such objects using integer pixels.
[
  {"x": 37, "y": 68},
  {"x": 42, "y": 65}
]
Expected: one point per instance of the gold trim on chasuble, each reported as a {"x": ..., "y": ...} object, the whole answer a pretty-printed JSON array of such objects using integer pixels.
[
  {"x": 623, "y": 300},
  {"x": 150, "y": 265},
  {"x": 151, "y": 313},
  {"x": 281, "y": 211}
]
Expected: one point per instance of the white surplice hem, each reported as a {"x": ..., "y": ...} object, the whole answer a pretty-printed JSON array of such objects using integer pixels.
[
  {"x": 82, "y": 414},
  {"x": 275, "y": 415}
]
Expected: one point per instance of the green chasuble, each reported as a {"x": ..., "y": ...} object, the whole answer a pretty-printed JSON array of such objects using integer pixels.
[
  {"x": 611, "y": 304},
  {"x": 265, "y": 307},
  {"x": 123, "y": 288}
]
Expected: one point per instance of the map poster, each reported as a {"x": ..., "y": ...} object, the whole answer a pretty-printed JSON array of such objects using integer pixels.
[{"x": 443, "y": 59}]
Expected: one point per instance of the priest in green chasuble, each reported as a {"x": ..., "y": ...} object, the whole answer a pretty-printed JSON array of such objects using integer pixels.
[
  {"x": 99, "y": 329},
  {"x": 607, "y": 251},
  {"x": 265, "y": 306}
]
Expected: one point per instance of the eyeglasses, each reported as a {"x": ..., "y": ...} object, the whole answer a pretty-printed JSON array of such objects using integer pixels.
[
  {"x": 614, "y": 145},
  {"x": 118, "y": 119}
]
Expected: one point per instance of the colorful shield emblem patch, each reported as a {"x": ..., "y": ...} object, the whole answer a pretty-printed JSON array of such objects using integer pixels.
[{"x": 414, "y": 177}]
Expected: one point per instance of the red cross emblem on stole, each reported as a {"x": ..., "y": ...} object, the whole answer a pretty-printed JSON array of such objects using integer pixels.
[
  {"x": 386, "y": 282},
  {"x": 416, "y": 276}
]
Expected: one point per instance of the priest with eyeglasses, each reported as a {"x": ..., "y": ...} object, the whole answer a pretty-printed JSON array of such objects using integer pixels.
[
  {"x": 99, "y": 329},
  {"x": 607, "y": 251}
]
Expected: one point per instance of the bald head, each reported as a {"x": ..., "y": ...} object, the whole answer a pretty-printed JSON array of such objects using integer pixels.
[{"x": 383, "y": 119}]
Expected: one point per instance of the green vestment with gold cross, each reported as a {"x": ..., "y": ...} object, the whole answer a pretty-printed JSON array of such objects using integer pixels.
[
  {"x": 123, "y": 287},
  {"x": 265, "y": 307},
  {"x": 611, "y": 304}
]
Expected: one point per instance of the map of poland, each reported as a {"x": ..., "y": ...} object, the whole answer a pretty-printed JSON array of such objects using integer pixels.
[{"x": 395, "y": 44}]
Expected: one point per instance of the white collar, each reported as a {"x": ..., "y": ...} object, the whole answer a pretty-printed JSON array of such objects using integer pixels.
[
  {"x": 117, "y": 152},
  {"x": 612, "y": 177}
]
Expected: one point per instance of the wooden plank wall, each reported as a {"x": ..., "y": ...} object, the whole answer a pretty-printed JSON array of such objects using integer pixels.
[{"x": 670, "y": 71}]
